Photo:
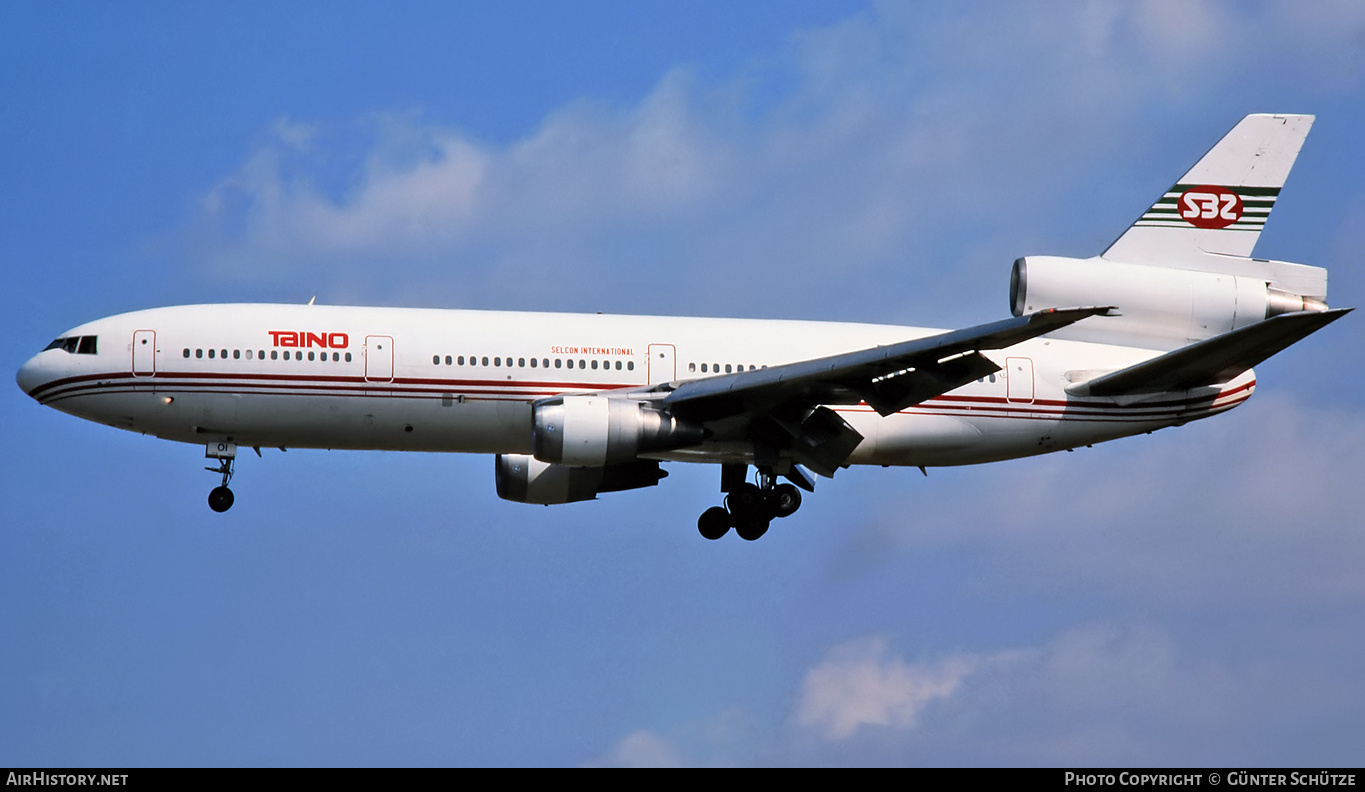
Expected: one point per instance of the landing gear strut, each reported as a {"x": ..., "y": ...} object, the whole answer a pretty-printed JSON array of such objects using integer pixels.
[
  {"x": 220, "y": 498},
  {"x": 749, "y": 508}
]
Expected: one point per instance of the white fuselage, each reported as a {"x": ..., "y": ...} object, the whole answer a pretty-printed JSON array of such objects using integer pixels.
[{"x": 464, "y": 381}]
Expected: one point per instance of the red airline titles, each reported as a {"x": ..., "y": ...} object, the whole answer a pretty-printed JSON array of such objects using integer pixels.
[
  {"x": 291, "y": 338},
  {"x": 571, "y": 350}
]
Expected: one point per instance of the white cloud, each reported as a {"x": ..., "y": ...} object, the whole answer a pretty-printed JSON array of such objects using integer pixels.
[
  {"x": 293, "y": 134},
  {"x": 875, "y": 147},
  {"x": 858, "y": 684},
  {"x": 640, "y": 749},
  {"x": 1125, "y": 691}
]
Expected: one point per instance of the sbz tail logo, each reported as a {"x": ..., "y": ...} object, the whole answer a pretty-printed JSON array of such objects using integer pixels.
[{"x": 1209, "y": 206}]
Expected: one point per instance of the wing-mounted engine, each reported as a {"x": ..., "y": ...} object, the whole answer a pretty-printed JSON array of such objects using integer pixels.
[
  {"x": 597, "y": 430},
  {"x": 525, "y": 479},
  {"x": 1162, "y": 307}
]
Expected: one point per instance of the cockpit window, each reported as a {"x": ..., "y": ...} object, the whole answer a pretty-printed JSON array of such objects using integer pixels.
[{"x": 76, "y": 345}]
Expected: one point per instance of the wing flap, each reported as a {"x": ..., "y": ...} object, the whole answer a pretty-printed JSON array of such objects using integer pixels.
[
  {"x": 1213, "y": 361},
  {"x": 820, "y": 440},
  {"x": 895, "y": 392}
]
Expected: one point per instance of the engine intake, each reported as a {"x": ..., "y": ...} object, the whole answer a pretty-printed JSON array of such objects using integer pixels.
[{"x": 596, "y": 431}]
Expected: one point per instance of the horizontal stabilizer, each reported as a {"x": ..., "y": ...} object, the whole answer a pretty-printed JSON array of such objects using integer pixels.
[{"x": 1213, "y": 361}]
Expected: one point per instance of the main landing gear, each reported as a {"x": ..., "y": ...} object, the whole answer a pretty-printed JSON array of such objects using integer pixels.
[
  {"x": 749, "y": 508},
  {"x": 220, "y": 498}
]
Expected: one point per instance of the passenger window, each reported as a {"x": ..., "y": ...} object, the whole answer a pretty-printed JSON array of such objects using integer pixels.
[
  {"x": 533, "y": 362},
  {"x": 594, "y": 365},
  {"x": 557, "y": 362},
  {"x": 618, "y": 365},
  {"x": 310, "y": 355},
  {"x": 348, "y": 357},
  {"x": 435, "y": 360},
  {"x": 224, "y": 354},
  {"x": 187, "y": 351},
  {"x": 521, "y": 362},
  {"x": 236, "y": 354},
  {"x": 630, "y": 365},
  {"x": 336, "y": 357},
  {"x": 274, "y": 354},
  {"x": 485, "y": 361},
  {"x": 212, "y": 353},
  {"x": 727, "y": 368}
]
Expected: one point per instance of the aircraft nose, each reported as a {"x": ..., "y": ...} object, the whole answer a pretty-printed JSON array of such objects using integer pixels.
[{"x": 31, "y": 375}]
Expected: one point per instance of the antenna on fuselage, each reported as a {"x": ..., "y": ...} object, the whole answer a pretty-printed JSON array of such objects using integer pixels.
[{"x": 311, "y": 299}]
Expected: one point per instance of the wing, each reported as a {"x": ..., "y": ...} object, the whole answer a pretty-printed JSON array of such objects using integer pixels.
[
  {"x": 781, "y": 409},
  {"x": 889, "y": 378}
]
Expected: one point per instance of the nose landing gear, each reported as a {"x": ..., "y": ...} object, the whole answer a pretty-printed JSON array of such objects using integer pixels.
[
  {"x": 221, "y": 498},
  {"x": 749, "y": 508}
]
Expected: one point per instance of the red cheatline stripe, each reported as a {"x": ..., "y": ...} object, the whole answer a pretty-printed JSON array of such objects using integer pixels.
[
  {"x": 500, "y": 390},
  {"x": 126, "y": 382}
]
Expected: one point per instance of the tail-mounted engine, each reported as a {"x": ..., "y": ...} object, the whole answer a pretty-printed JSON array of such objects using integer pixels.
[
  {"x": 595, "y": 431},
  {"x": 1158, "y": 307},
  {"x": 525, "y": 479}
]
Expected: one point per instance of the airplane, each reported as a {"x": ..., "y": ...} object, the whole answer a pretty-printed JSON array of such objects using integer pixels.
[{"x": 1160, "y": 329}]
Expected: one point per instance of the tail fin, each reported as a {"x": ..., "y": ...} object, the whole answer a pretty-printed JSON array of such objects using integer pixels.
[
  {"x": 1210, "y": 220},
  {"x": 1221, "y": 205}
]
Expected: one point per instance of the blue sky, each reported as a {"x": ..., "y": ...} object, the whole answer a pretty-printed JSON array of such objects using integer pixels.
[{"x": 1192, "y": 597}]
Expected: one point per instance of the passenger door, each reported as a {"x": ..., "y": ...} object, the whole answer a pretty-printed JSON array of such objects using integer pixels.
[
  {"x": 662, "y": 363},
  {"x": 144, "y": 353},
  {"x": 378, "y": 358}
]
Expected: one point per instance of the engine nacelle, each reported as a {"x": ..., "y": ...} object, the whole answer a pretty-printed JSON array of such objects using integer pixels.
[
  {"x": 1158, "y": 307},
  {"x": 595, "y": 431},
  {"x": 525, "y": 479}
]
